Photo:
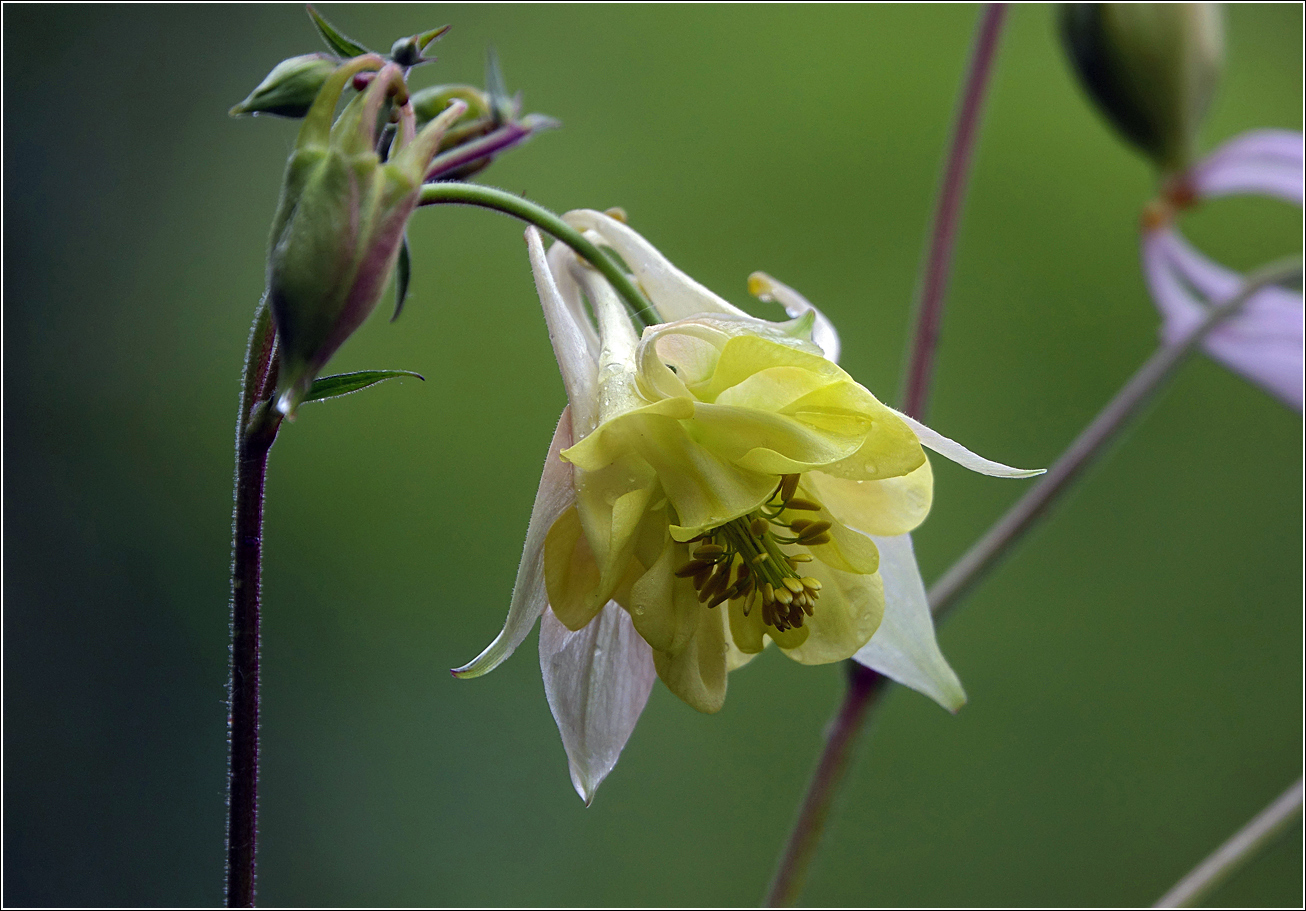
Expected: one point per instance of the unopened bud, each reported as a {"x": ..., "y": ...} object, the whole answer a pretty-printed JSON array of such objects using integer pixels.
[
  {"x": 430, "y": 102},
  {"x": 1151, "y": 67},
  {"x": 409, "y": 51},
  {"x": 289, "y": 90}
]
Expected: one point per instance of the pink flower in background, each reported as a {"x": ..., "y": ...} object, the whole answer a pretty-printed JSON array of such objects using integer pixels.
[{"x": 1263, "y": 341}]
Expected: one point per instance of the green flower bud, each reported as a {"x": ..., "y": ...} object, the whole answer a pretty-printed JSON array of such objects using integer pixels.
[
  {"x": 341, "y": 219},
  {"x": 1151, "y": 67},
  {"x": 430, "y": 102},
  {"x": 410, "y": 51},
  {"x": 289, "y": 90}
]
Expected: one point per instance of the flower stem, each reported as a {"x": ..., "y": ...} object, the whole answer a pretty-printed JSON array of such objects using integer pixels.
[
  {"x": 471, "y": 194},
  {"x": 865, "y": 685},
  {"x": 1240, "y": 848},
  {"x": 1091, "y": 442},
  {"x": 937, "y": 267},
  {"x": 864, "y": 690},
  {"x": 256, "y": 429}
]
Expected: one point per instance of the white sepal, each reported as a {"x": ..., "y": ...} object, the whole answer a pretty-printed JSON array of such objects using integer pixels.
[
  {"x": 577, "y": 361},
  {"x": 951, "y": 449},
  {"x": 556, "y": 495},
  {"x": 904, "y": 648},
  {"x": 597, "y": 681}
]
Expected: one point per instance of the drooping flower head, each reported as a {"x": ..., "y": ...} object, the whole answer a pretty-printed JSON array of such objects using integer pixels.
[{"x": 717, "y": 483}]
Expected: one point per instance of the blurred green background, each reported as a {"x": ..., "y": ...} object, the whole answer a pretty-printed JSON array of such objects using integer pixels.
[{"x": 1135, "y": 670}]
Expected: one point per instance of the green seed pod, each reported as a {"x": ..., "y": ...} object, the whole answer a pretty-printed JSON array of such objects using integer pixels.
[
  {"x": 1152, "y": 68},
  {"x": 289, "y": 90}
]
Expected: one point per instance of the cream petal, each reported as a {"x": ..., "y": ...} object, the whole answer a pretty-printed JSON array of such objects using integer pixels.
[
  {"x": 697, "y": 673},
  {"x": 766, "y": 288},
  {"x": 904, "y": 647},
  {"x": 577, "y": 361},
  {"x": 664, "y": 608},
  {"x": 950, "y": 449},
  {"x": 892, "y": 506},
  {"x": 571, "y": 573},
  {"x": 597, "y": 681},
  {"x": 555, "y": 496},
  {"x": 673, "y": 293}
]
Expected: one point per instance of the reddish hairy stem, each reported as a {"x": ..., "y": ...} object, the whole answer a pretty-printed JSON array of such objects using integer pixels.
[{"x": 252, "y": 447}]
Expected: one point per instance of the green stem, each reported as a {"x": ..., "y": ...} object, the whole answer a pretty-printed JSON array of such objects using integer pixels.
[
  {"x": 865, "y": 685},
  {"x": 1235, "y": 852},
  {"x": 470, "y": 194},
  {"x": 1091, "y": 442}
]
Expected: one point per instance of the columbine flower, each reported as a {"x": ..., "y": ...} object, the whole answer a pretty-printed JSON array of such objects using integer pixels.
[
  {"x": 341, "y": 219},
  {"x": 716, "y": 484},
  {"x": 1263, "y": 340}
]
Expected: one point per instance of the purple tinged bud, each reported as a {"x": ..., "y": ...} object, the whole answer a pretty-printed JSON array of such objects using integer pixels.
[
  {"x": 341, "y": 219},
  {"x": 289, "y": 90}
]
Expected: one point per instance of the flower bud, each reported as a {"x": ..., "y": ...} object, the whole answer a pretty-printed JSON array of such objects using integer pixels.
[
  {"x": 410, "y": 51},
  {"x": 341, "y": 219},
  {"x": 1151, "y": 67},
  {"x": 289, "y": 90},
  {"x": 431, "y": 101}
]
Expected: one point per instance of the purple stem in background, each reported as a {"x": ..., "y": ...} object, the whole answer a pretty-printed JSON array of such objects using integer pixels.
[
  {"x": 865, "y": 685},
  {"x": 943, "y": 235}
]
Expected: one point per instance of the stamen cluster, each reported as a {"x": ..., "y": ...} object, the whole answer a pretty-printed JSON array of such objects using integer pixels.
[{"x": 742, "y": 560}]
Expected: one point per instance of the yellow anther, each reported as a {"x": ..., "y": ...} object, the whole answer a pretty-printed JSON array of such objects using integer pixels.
[
  {"x": 784, "y": 596},
  {"x": 819, "y": 539},
  {"x": 692, "y": 568},
  {"x": 768, "y": 593},
  {"x": 709, "y": 552},
  {"x": 799, "y": 524},
  {"x": 801, "y": 558},
  {"x": 758, "y": 528},
  {"x": 800, "y": 503},
  {"x": 812, "y": 585},
  {"x": 793, "y": 584},
  {"x": 616, "y": 213},
  {"x": 788, "y": 484}
]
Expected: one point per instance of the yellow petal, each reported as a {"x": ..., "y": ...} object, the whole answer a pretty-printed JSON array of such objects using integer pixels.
[
  {"x": 773, "y": 444},
  {"x": 889, "y": 507},
  {"x": 747, "y": 631},
  {"x": 570, "y": 573},
  {"x": 891, "y": 449},
  {"x": 664, "y": 608},
  {"x": 697, "y": 674},
  {"x": 845, "y": 617},
  {"x": 746, "y": 355}
]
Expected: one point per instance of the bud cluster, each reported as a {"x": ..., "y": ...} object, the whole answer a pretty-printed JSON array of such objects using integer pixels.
[{"x": 350, "y": 186}]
